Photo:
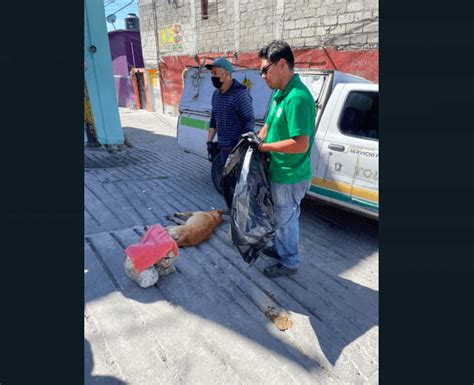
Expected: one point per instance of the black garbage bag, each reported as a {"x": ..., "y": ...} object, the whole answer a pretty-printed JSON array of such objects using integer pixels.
[
  {"x": 247, "y": 193},
  {"x": 231, "y": 171}
]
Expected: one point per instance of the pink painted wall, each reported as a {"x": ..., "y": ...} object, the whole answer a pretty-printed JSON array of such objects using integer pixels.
[{"x": 361, "y": 63}]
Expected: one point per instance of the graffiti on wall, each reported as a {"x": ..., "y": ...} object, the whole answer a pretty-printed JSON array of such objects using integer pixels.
[{"x": 171, "y": 38}]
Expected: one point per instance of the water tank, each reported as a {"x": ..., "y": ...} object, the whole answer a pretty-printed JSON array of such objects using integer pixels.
[{"x": 132, "y": 21}]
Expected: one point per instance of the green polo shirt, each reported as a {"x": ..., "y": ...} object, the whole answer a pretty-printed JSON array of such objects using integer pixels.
[{"x": 292, "y": 113}]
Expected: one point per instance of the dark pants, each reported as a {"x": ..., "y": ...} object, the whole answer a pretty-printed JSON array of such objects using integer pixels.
[{"x": 224, "y": 154}]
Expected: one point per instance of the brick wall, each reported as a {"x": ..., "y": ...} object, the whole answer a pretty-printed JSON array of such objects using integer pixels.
[
  {"x": 345, "y": 25},
  {"x": 336, "y": 34},
  {"x": 147, "y": 33},
  {"x": 246, "y": 25}
]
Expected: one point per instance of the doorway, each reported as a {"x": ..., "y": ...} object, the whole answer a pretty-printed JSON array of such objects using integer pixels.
[{"x": 140, "y": 89}]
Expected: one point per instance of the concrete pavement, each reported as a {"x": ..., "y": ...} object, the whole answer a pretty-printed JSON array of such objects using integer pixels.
[{"x": 207, "y": 323}]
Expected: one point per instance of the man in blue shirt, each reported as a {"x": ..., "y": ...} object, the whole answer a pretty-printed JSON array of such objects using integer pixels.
[{"x": 232, "y": 110}]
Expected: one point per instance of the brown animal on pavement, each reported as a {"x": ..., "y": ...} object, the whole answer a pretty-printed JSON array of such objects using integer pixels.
[{"x": 198, "y": 226}]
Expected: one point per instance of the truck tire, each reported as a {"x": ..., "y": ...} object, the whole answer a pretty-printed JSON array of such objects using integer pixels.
[{"x": 216, "y": 174}]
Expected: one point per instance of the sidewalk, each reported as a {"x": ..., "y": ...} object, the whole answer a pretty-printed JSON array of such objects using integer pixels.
[{"x": 210, "y": 322}]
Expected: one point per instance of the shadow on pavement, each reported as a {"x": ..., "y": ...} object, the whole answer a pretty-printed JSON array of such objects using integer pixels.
[
  {"x": 89, "y": 379},
  {"x": 333, "y": 242}
]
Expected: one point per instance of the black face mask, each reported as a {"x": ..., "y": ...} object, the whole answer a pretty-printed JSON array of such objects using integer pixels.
[{"x": 216, "y": 82}]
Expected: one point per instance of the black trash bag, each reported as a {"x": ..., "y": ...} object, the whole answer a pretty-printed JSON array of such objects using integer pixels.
[
  {"x": 247, "y": 193},
  {"x": 231, "y": 172}
]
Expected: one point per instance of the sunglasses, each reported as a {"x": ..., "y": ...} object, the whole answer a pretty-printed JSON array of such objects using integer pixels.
[{"x": 265, "y": 69}]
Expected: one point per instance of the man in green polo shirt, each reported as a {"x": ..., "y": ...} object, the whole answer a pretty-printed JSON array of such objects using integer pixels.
[{"x": 288, "y": 135}]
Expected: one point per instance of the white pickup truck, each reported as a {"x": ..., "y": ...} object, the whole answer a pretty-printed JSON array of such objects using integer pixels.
[{"x": 344, "y": 157}]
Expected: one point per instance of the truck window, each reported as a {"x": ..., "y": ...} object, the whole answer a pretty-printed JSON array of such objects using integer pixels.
[{"x": 360, "y": 115}]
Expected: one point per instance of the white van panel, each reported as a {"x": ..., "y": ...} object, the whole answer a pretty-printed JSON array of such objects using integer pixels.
[
  {"x": 198, "y": 90},
  {"x": 192, "y": 132},
  {"x": 196, "y": 105}
]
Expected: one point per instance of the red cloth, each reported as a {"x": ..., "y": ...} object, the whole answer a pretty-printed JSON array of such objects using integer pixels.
[{"x": 155, "y": 244}]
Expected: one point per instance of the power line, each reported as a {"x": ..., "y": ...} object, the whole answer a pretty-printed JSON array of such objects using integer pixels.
[
  {"x": 116, "y": 13},
  {"x": 125, "y": 6}
]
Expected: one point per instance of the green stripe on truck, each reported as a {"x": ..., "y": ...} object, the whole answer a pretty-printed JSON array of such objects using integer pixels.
[
  {"x": 195, "y": 123},
  {"x": 345, "y": 198}
]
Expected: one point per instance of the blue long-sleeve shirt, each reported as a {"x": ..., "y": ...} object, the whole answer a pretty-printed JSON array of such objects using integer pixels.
[{"x": 232, "y": 114}]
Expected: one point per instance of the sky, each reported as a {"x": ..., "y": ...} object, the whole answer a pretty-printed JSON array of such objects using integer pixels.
[{"x": 112, "y": 6}]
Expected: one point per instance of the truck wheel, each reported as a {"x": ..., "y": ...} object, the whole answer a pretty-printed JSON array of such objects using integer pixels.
[{"x": 216, "y": 174}]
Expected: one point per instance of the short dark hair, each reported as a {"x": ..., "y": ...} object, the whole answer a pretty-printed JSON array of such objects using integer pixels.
[{"x": 276, "y": 50}]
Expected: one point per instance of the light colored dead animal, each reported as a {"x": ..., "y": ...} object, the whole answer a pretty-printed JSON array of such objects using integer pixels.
[{"x": 194, "y": 227}]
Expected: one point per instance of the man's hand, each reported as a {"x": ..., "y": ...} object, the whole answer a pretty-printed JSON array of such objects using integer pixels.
[
  {"x": 254, "y": 140},
  {"x": 209, "y": 146},
  {"x": 212, "y": 150}
]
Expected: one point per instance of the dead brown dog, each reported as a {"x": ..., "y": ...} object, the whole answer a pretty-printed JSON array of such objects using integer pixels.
[{"x": 197, "y": 228}]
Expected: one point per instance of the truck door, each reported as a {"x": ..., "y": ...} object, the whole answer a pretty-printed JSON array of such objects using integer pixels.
[{"x": 348, "y": 172}]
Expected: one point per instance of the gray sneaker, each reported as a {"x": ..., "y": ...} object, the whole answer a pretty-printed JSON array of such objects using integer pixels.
[{"x": 278, "y": 270}]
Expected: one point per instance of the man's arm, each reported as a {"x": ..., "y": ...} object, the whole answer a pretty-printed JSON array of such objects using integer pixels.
[
  {"x": 262, "y": 134},
  {"x": 296, "y": 145},
  {"x": 245, "y": 110},
  {"x": 212, "y": 128},
  {"x": 211, "y": 134}
]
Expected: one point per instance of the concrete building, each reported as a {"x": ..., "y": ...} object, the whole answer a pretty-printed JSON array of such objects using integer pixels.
[
  {"x": 331, "y": 34},
  {"x": 126, "y": 51}
]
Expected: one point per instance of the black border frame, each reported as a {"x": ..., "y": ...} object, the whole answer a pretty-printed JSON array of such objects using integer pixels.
[{"x": 426, "y": 191}]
